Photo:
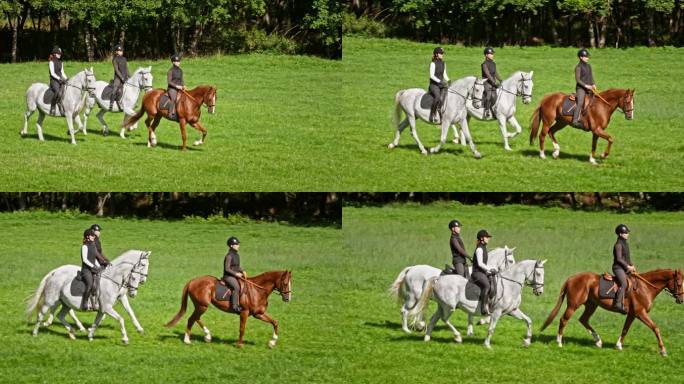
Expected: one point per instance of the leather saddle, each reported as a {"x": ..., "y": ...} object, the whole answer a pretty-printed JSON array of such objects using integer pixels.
[
  {"x": 608, "y": 286},
  {"x": 165, "y": 104},
  {"x": 449, "y": 270},
  {"x": 108, "y": 91},
  {"x": 473, "y": 290},
  {"x": 570, "y": 103},
  {"x": 223, "y": 292},
  {"x": 426, "y": 99}
]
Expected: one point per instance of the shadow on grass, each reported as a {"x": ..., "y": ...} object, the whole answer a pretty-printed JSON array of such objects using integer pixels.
[
  {"x": 190, "y": 147},
  {"x": 199, "y": 337},
  {"x": 589, "y": 342},
  {"x": 419, "y": 335},
  {"x": 61, "y": 332},
  {"x": 563, "y": 155},
  {"x": 50, "y": 137},
  {"x": 453, "y": 149}
]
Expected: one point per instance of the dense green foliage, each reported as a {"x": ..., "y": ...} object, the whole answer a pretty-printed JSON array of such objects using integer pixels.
[
  {"x": 87, "y": 29},
  {"x": 645, "y": 156},
  {"x": 180, "y": 251},
  {"x": 274, "y": 130},
  {"x": 383, "y": 241},
  {"x": 595, "y": 23}
]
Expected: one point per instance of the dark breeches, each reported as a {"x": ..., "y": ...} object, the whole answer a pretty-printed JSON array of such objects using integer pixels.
[
  {"x": 482, "y": 281},
  {"x": 87, "y": 275},
  {"x": 621, "y": 278},
  {"x": 118, "y": 89},
  {"x": 436, "y": 93},
  {"x": 235, "y": 287},
  {"x": 489, "y": 97},
  {"x": 580, "y": 94},
  {"x": 461, "y": 269}
]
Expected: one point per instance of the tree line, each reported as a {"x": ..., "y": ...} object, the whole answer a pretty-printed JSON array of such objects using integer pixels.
[
  {"x": 586, "y": 23},
  {"x": 87, "y": 29},
  {"x": 297, "y": 208}
]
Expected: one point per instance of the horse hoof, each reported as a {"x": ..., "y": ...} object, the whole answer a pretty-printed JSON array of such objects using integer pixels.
[
  {"x": 599, "y": 344},
  {"x": 124, "y": 341},
  {"x": 207, "y": 338},
  {"x": 508, "y": 148},
  {"x": 141, "y": 331},
  {"x": 198, "y": 142},
  {"x": 458, "y": 339},
  {"x": 420, "y": 326},
  {"x": 426, "y": 338},
  {"x": 478, "y": 155},
  {"x": 424, "y": 152},
  {"x": 488, "y": 346},
  {"x": 527, "y": 342},
  {"x": 434, "y": 150},
  {"x": 555, "y": 154},
  {"x": 240, "y": 345},
  {"x": 391, "y": 146},
  {"x": 72, "y": 336},
  {"x": 542, "y": 156},
  {"x": 663, "y": 353},
  {"x": 271, "y": 344}
]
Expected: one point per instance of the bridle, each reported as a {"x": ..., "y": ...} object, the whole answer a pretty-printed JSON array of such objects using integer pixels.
[
  {"x": 679, "y": 290},
  {"x": 520, "y": 89},
  {"x": 83, "y": 87},
  {"x": 534, "y": 283},
  {"x": 127, "y": 279},
  {"x": 278, "y": 290},
  {"x": 199, "y": 102},
  {"x": 139, "y": 86}
]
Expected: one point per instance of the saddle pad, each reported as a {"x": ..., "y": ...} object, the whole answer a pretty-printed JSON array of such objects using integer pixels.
[
  {"x": 222, "y": 291},
  {"x": 48, "y": 96},
  {"x": 568, "y": 106},
  {"x": 472, "y": 291},
  {"x": 426, "y": 101},
  {"x": 77, "y": 286},
  {"x": 107, "y": 92},
  {"x": 607, "y": 289},
  {"x": 164, "y": 101}
]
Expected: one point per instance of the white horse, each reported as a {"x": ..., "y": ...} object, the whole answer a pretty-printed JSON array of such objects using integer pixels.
[
  {"x": 125, "y": 273},
  {"x": 140, "y": 80},
  {"x": 449, "y": 291},
  {"x": 411, "y": 282},
  {"x": 453, "y": 110},
  {"x": 72, "y": 101},
  {"x": 122, "y": 297},
  {"x": 518, "y": 84}
]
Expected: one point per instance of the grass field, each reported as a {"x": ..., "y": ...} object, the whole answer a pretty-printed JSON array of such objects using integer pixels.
[
  {"x": 382, "y": 241},
  {"x": 646, "y": 154},
  {"x": 272, "y": 131},
  {"x": 35, "y": 243}
]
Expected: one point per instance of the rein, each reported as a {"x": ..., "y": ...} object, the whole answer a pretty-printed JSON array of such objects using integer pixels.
[
  {"x": 518, "y": 92},
  {"x": 278, "y": 291},
  {"x": 654, "y": 287},
  {"x": 125, "y": 281}
]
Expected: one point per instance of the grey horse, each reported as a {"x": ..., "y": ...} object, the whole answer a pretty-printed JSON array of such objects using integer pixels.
[
  {"x": 518, "y": 84},
  {"x": 125, "y": 272},
  {"x": 72, "y": 101},
  {"x": 409, "y": 285},
  {"x": 140, "y": 80},
  {"x": 453, "y": 110},
  {"x": 449, "y": 292}
]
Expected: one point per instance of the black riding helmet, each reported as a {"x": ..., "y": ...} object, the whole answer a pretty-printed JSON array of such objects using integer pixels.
[
  {"x": 175, "y": 57},
  {"x": 57, "y": 49},
  {"x": 583, "y": 53},
  {"x": 117, "y": 47},
  {"x": 488, "y": 50},
  {"x": 620, "y": 229},
  {"x": 88, "y": 232},
  {"x": 232, "y": 241},
  {"x": 482, "y": 233},
  {"x": 96, "y": 227},
  {"x": 437, "y": 50},
  {"x": 454, "y": 223}
]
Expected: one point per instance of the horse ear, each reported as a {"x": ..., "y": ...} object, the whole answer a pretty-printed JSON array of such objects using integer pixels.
[
  {"x": 531, "y": 73},
  {"x": 544, "y": 261},
  {"x": 513, "y": 249}
]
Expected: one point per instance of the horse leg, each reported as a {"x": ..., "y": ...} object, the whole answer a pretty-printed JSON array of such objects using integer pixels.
[
  {"x": 44, "y": 309},
  {"x": 196, "y": 314},
  {"x": 455, "y": 129},
  {"x": 518, "y": 314},
  {"x": 414, "y": 133},
  {"x": 80, "y": 326},
  {"x": 100, "y": 116},
  {"x": 269, "y": 319},
  {"x": 152, "y": 138},
  {"x": 400, "y": 129},
  {"x": 207, "y": 333},
  {"x": 60, "y": 316},
  {"x": 647, "y": 320},
  {"x": 127, "y": 307},
  {"x": 39, "y": 125},
  {"x": 96, "y": 323},
  {"x": 465, "y": 128},
  {"x": 628, "y": 323},
  {"x": 70, "y": 125},
  {"x": 592, "y": 158},
  {"x": 589, "y": 309},
  {"x": 445, "y": 317},
  {"x": 404, "y": 314},
  {"x": 496, "y": 314},
  {"x": 552, "y": 134},
  {"x": 504, "y": 133},
  {"x": 469, "y": 332},
  {"x": 200, "y": 128},
  {"x": 122, "y": 130},
  {"x": 27, "y": 114},
  {"x": 115, "y": 315},
  {"x": 79, "y": 124},
  {"x": 433, "y": 321},
  {"x": 542, "y": 137},
  {"x": 516, "y": 125},
  {"x": 602, "y": 134},
  {"x": 442, "y": 138},
  {"x": 184, "y": 134},
  {"x": 243, "y": 324},
  {"x": 563, "y": 322}
]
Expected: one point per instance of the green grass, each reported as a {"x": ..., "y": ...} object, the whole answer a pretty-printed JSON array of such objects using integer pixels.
[
  {"x": 36, "y": 242},
  {"x": 646, "y": 155},
  {"x": 382, "y": 241},
  {"x": 272, "y": 130}
]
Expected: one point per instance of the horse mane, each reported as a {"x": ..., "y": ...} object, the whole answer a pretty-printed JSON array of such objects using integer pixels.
[
  {"x": 131, "y": 256},
  {"x": 463, "y": 82},
  {"x": 266, "y": 275},
  {"x": 657, "y": 272}
]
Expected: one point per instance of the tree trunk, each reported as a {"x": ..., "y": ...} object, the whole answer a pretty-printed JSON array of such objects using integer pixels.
[
  {"x": 101, "y": 201},
  {"x": 196, "y": 36},
  {"x": 15, "y": 37},
  {"x": 650, "y": 28},
  {"x": 552, "y": 24},
  {"x": 592, "y": 34},
  {"x": 89, "y": 43},
  {"x": 601, "y": 27}
]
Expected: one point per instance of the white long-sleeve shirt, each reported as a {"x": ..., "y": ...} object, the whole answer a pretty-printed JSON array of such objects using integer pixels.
[
  {"x": 478, "y": 255},
  {"x": 54, "y": 74},
  {"x": 84, "y": 257},
  {"x": 432, "y": 73}
]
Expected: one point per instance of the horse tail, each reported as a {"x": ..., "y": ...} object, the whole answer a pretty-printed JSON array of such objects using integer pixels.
[
  {"x": 134, "y": 119},
  {"x": 554, "y": 312},
  {"x": 398, "y": 282},
  {"x": 36, "y": 300},
  {"x": 422, "y": 304},
  {"x": 181, "y": 312},
  {"x": 397, "y": 108},
  {"x": 534, "y": 124}
]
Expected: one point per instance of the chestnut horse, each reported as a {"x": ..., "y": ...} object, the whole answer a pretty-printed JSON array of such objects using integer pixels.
[
  {"x": 595, "y": 119},
  {"x": 582, "y": 288},
  {"x": 253, "y": 300},
  {"x": 187, "y": 110}
]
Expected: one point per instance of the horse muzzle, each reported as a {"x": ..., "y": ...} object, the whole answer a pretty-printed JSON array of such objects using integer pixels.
[
  {"x": 538, "y": 292},
  {"x": 527, "y": 100},
  {"x": 679, "y": 300},
  {"x": 132, "y": 293},
  {"x": 477, "y": 104}
]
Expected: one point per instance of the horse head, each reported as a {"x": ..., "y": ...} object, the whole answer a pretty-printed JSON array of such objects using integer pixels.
[
  {"x": 676, "y": 286},
  {"x": 89, "y": 84},
  {"x": 525, "y": 86},
  {"x": 536, "y": 278},
  {"x": 627, "y": 103},
  {"x": 210, "y": 99},
  {"x": 145, "y": 80},
  {"x": 478, "y": 93},
  {"x": 284, "y": 285}
]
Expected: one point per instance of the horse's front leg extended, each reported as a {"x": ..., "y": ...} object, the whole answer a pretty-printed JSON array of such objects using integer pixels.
[
  {"x": 518, "y": 314},
  {"x": 129, "y": 309},
  {"x": 80, "y": 326},
  {"x": 96, "y": 323},
  {"x": 516, "y": 125},
  {"x": 649, "y": 323},
  {"x": 496, "y": 314},
  {"x": 265, "y": 317},
  {"x": 466, "y": 129},
  {"x": 243, "y": 323},
  {"x": 602, "y": 134},
  {"x": 442, "y": 139},
  {"x": 504, "y": 133},
  {"x": 100, "y": 116},
  {"x": 115, "y": 315},
  {"x": 70, "y": 124}
]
